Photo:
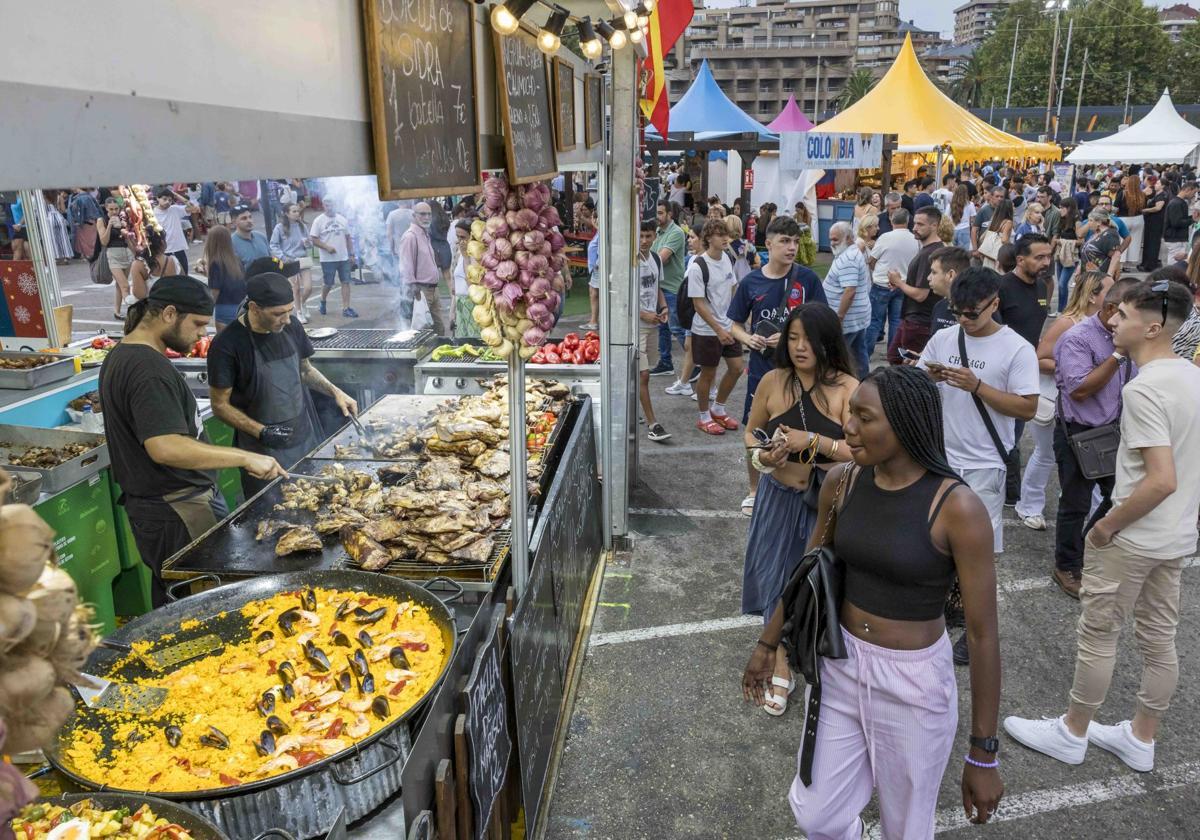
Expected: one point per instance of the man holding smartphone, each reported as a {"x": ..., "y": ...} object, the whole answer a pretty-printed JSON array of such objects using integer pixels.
[{"x": 764, "y": 298}]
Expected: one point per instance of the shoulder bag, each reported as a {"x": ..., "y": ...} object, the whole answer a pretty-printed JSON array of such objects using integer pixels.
[
  {"x": 1095, "y": 449},
  {"x": 991, "y": 244},
  {"x": 811, "y": 627},
  {"x": 983, "y": 412}
]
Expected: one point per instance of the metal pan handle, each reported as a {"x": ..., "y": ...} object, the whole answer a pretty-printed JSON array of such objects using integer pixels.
[
  {"x": 336, "y": 769},
  {"x": 171, "y": 596},
  {"x": 453, "y": 585},
  {"x": 274, "y": 832},
  {"x": 117, "y": 646}
]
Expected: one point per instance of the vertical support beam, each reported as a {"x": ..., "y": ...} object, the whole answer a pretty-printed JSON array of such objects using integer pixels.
[
  {"x": 518, "y": 486},
  {"x": 619, "y": 303},
  {"x": 885, "y": 162},
  {"x": 747, "y": 166},
  {"x": 45, "y": 269}
]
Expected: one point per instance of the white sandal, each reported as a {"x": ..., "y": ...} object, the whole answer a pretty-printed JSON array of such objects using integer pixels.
[
  {"x": 748, "y": 505},
  {"x": 776, "y": 706}
]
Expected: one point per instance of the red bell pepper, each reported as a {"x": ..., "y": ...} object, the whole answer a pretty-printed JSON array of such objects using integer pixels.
[
  {"x": 553, "y": 358},
  {"x": 591, "y": 351},
  {"x": 571, "y": 340},
  {"x": 568, "y": 357},
  {"x": 551, "y": 347},
  {"x": 591, "y": 336},
  {"x": 538, "y": 358}
]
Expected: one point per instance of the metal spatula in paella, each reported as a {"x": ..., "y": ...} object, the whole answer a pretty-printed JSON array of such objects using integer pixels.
[
  {"x": 120, "y": 697},
  {"x": 165, "y": 658}
]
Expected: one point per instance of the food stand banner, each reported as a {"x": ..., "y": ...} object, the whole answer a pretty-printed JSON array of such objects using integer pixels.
[{"x": 800, "y": 150}]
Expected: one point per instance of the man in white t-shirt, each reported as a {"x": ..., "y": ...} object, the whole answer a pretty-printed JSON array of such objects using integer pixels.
[
  {"x": 1134, "y": 556},
  {"x": 170, "y": 218},
  {"x": 330, "y": 232},
  {"x": 1000, "y": 371},
  {"x": 893, "y": 250},
  {"x": 941, "y": 198},
  {"x": 710, "y": 282},
  {"x": 652, "y": 311}
]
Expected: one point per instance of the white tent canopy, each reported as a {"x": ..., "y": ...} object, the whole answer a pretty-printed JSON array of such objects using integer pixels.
[{"x": 1162, "y": 136}]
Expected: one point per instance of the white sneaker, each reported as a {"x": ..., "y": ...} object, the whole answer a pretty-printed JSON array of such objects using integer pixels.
[
  {"x": 1121, "y": 742},
  {"x": 1049, "y": 736},
  {"x": 302, "y": 317},
  {"x": 679, "y": 389},
  {"x": 712, "y": 395},
  {"x": 1034, "y": 523}
]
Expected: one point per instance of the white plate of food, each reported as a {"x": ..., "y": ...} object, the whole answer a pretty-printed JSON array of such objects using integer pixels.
[{"x": 322, "y": 332}]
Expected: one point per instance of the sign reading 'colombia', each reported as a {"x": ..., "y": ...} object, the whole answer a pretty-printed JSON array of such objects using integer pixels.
[{"x": 813, "y": 150}]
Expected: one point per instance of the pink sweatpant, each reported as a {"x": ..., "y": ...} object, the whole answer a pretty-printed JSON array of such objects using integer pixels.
[{"x": 888, "y": 721}]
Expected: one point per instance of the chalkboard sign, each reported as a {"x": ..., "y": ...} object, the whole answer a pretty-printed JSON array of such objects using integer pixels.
[
  {"x": 593, "y": 109},
  {"x": 421, "y": 75},
  {"x": 650, "y": 197},
  {"x": 537, "y": 684},
  {"x": 488, "y": 740},
  {"x": 564, "y": 104},
  {"x": 422, "y": 827},
  {"x": 525, "y": 106}
]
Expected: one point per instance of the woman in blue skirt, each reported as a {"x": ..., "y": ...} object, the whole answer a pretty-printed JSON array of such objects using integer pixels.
[{"x": 801, "y": 406}]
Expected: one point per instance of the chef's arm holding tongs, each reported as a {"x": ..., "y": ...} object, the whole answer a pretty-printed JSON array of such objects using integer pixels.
[
  {"x": 316, "y": 381},
  {"x": 185, "y": 453}
]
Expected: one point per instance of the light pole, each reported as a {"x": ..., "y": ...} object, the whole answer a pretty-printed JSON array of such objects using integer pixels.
[
  {"x": 1011, "y": 64},
  {"x": 1055, "y": 6},
  {"x": 1063, "y": 84}
]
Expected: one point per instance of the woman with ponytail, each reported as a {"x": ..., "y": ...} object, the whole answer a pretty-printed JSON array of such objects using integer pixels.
[{"x": 901, "y": 523}]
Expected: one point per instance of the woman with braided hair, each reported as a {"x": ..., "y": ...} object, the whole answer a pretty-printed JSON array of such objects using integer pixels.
[{"x": 902, "y": 523}]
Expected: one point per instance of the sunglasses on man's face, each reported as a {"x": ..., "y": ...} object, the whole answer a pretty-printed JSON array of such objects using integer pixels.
[{"x": 971, "y": 314}]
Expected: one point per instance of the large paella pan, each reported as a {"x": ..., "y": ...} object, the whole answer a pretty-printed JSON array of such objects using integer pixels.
[{"x": 304, "y": 707}]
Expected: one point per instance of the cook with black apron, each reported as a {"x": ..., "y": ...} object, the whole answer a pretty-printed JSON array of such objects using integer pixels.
[
  {"x": 161, "y": 457},
  {"x": 259, "y": 375}
]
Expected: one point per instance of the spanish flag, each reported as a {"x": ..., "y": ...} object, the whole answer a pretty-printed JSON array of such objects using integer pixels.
[{"x": 667, "y": 22}]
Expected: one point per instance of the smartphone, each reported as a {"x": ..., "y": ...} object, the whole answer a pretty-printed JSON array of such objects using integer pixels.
[
  {"x": 936, "y": 366},
  {"x": 766, "y": 328},
  {"x": 905, "y": 353}
]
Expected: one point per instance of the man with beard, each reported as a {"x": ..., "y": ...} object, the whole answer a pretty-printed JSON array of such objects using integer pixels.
[
  {"x": 419, "y": 273},
  {"x": 161, "y": 456}
]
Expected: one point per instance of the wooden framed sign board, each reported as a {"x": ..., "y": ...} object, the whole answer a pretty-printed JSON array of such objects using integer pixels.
[
  {"x": 421, "y": 76},
  {"x": 564, "y": 104},
  {"x": 593, "y": 109},
  {"x": 525, "y": 106}
]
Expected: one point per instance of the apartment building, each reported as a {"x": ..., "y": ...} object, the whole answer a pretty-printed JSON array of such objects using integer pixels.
[
  {"x": 977, "y": 19},
  {"x": 762, "y": 54},
  {"x": 1176, "y": 19}
]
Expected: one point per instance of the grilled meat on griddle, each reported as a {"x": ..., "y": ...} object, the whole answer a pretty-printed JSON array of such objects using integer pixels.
[
  {"x": 369, "y": 554},
  {"x": 299, "y": 538}
]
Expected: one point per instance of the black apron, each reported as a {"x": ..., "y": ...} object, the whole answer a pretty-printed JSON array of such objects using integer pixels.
[
  {"x": 164, "y": 525},
  {"x": 280, "y": 396}
]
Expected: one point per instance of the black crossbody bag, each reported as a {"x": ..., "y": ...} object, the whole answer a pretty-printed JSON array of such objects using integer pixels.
[
  {"x": 1095, "y": 449},
  {"x": 983, "y": 412}
]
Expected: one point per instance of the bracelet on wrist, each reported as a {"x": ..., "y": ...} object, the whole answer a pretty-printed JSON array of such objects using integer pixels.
[
  {"x": 975, "y": 390},
  {"x": 773, "y": 647},
  {"x": 986, "y": 765}
]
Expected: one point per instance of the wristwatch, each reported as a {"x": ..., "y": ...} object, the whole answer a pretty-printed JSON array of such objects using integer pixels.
[
  {"x": 988, "y": 745},
  {"x": 1118, "y": 357}
]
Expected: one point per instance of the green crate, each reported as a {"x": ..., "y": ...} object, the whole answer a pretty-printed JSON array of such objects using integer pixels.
[{"x": 228, "y": 480}]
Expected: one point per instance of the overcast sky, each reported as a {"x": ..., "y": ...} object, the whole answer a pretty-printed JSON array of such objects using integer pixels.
[{"x": 927, "y": 14}]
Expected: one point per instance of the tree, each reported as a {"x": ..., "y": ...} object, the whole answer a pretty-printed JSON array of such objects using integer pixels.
[
  {"x": 1121, "y": 36},
  {"x": 967, "y": 83},
  {"x": 1185, "y": 67},
  {"x": 858, "y": 85}
]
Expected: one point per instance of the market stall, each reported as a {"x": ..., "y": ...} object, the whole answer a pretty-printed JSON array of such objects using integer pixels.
[{"x": 539, "y": 569}]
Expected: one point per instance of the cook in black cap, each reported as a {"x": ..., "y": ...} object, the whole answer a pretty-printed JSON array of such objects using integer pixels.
[
  {"x": 260, "y": 373},
  {"x": 161, "y": 457}
]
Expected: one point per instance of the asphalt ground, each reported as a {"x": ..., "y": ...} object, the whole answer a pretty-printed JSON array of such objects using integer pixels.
[{"x": 661, "y": 745}]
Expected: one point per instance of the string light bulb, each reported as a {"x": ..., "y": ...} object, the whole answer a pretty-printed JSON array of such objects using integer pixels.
[
  {"x": 643, "y": 15},
  {"x": 506, "y": 17},
  {"x": 592, "y": 46},
  {"x": 615, "y": 37},
  {"x": 631, "y": 19},
  {"x": 635, "y": 35},
  {"x": 649, "y": 4},
  {"x": 549, "y": 38}
]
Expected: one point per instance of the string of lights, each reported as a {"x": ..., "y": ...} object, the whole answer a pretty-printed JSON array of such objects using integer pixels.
[{"x": 629, "y": 28}]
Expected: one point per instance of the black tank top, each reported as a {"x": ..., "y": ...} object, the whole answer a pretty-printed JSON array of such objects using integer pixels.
[
  {"x": 804, "y": 415},
  {"x": 893, "y": 569}
]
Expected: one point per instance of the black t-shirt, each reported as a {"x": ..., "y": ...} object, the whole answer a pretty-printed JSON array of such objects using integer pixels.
[
  {"x": 1022, "y": 307},
  {"x": 918, "y": 312},
  {"x": 144, "y": 397},
  {"x": 941, "y": 317},
  {"x": 231, "y": 357},
  {"x": 231, "y": 290}
]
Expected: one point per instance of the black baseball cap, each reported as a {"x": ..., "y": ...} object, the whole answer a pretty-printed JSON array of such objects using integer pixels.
[
  {"x": 187, "y": 294},
  {"x": 273, "y": 265}
]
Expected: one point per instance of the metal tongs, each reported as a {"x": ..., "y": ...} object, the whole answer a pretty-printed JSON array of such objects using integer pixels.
[
  {"x": 322, "y": 479},
  {"x": 362, "y": 431}
]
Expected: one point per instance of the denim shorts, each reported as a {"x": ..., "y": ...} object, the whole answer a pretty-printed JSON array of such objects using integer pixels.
[{"x": 334, "y": 269}]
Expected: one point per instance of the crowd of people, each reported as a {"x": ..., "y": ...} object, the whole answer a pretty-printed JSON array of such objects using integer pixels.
[{"x": 1000, "y": 301}]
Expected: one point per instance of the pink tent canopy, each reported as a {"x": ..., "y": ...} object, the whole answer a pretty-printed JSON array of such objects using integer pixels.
[{"x": 791, "y": 118}]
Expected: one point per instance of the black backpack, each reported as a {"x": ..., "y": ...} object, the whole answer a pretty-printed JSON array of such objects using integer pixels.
[{"x": 685, "y": 310}]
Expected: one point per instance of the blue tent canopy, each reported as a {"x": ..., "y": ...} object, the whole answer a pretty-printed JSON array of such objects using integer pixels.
[{"x": 708, "y": 113}]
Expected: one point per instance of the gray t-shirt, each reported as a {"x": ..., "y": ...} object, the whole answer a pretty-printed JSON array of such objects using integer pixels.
[{"x": 721, "y": 283}]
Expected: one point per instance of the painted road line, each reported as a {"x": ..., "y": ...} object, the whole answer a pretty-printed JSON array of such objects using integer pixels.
[
  {"x": 1024, "y": 805},
  {"x": 667, "y": 630},
  {"x": 693, "y": 448},
  {"x": 689, "y": 513}
]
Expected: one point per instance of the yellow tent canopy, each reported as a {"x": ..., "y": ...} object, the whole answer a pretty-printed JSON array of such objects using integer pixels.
[{"x": 905, "y": 103}]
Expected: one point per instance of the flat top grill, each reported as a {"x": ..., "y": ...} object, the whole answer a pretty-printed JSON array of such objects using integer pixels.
[{"x": 365, "y": 339}]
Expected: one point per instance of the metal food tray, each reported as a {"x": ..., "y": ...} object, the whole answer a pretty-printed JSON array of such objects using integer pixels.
[
  {"x": 462, "y": 572},
  {"x": 387, "y": 412},
  {"x": 24, "y": 380},
  {"x": 58, "y": 478}
]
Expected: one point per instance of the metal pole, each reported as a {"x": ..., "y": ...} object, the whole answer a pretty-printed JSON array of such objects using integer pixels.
[
  {"x": 1128, "y": 84},
  {"x": 1079, "y": 100},
  {"x": 1011, "y": 64},
  {"x": 817, "y": 94},
  {"x": 992, "y": 110},
  {"x": 518, "y": 491},
  {"x": 1063, "y": 84},
  {"x": 1053, "y": 70}
]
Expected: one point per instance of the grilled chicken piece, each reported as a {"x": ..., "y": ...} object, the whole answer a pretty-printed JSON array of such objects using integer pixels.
[
  {"x": 385, "y": 530},
  {"x": 485, "y": 489},
  {"x": 270, "y": 527},
  {"x": 366, "y": 552},
  {"x": 477, "y": 551},
  {"x": 468, "y": 448},
  {"x": 336, "y": 520},
  {"x": 441, "y": 473},
  {"x": 299, "y": 538},
  {"x": 466, "y": 428},
  {"x": 493, "y": 463}
]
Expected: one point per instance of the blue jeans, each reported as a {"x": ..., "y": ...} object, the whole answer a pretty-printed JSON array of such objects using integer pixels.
[
  {"x": 751, "y": 387},
  {"x": 1065, "y": 273},
  {"x": 665, "y": 331},
  {"x": 885, "y": 303},
  {"x": 860, "y": 350}
]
